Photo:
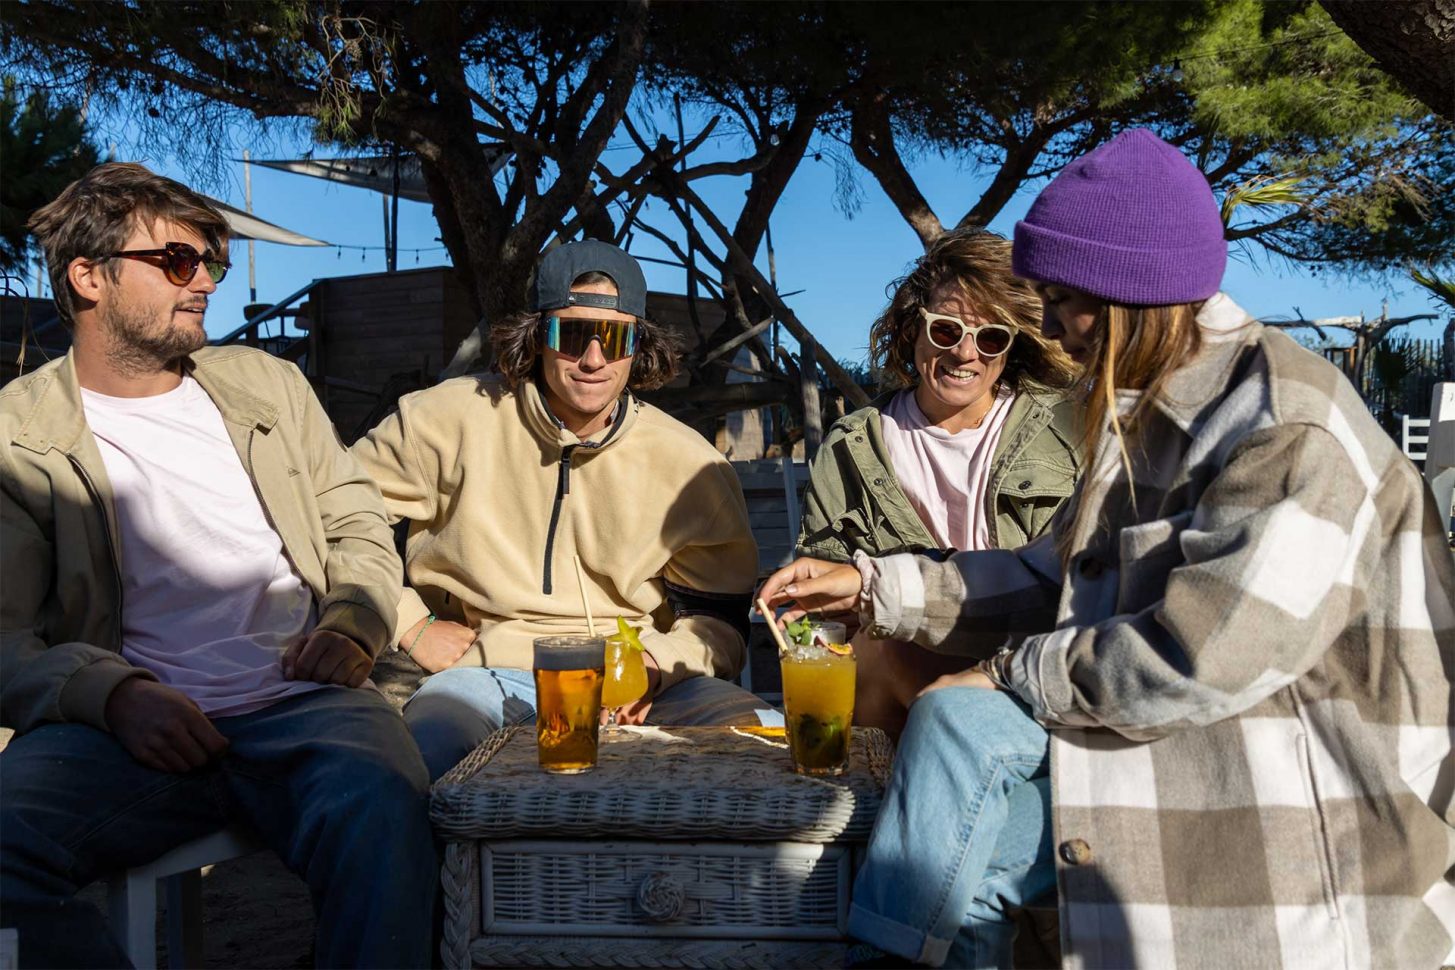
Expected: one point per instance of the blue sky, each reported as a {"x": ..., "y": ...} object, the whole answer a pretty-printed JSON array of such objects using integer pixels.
[{"x": 841, "y": 263}]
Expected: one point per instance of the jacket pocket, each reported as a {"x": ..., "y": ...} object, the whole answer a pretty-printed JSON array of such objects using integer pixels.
[
  {"x": 848, "y": 531},
  {"x": 1032, "y": 493}
]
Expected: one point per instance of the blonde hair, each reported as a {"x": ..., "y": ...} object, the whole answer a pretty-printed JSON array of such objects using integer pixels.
[
  {"x": 977, "y": 264},
  {"x": 1136, "y": 348}
]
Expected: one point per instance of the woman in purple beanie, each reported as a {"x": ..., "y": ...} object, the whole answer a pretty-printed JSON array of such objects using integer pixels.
[{"x": 1239, "y": 638}]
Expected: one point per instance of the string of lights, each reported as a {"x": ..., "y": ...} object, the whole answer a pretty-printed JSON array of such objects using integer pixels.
[{"x": 365, "y": 250}]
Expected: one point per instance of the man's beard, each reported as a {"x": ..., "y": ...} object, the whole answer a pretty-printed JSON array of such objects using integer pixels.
[{"x": 135, "y": 345}]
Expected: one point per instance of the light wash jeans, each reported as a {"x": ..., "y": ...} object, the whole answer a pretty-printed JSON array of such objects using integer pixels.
[
  {"x": 964, "y": 835},
  {"x": 329, "y": 779},
  {"x": 456, "y": 709}
]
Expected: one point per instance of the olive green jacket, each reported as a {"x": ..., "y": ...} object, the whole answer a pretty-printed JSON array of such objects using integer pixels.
[
  {"x": 60, "y": 610},
  {"x": 854, "y": 501}
]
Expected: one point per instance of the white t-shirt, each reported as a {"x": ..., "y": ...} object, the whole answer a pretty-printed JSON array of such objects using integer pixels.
[
  {"x": 209, "y": 599},
  {"x": 945, "y": 475}
]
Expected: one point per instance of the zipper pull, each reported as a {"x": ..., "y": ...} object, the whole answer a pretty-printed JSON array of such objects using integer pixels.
[{"x": 564, "y": 482}]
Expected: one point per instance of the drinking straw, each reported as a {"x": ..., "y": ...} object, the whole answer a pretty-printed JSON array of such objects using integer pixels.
[
  {"x": 585, "y": 603},
  {"x": 773, "y": 625}
]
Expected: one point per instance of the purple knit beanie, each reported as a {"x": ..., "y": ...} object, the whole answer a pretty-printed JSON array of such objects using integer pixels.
[{"x": 1131, "y": 222}]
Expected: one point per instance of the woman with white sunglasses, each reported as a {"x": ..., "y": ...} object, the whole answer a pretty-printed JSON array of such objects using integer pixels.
[{"x": 972, "y": 447}]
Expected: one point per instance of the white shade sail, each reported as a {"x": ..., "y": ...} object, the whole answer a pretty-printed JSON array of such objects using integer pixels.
[
  {"x": 241, "y": 225},
  {"x": 374, "y": 172}
]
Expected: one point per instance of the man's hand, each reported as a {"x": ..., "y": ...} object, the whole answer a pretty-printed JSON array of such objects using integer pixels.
[
  {"x": 161, "y": 727},
  {"x": 965, "y": 678},
  {"x": 813, "y": 586},
  {"x": 326, "y": 657},
  {"x": 636, "y": 711},
  {"x": 441, "y": 644}
]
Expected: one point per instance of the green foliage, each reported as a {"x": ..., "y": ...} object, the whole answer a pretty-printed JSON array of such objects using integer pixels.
[
  {"x": 1276, "y": 70},
  {"x": 44, "y": 148},
  {"x": 1391, "y": 365},
  {"x": 1441, "y": 288},
  {"x": 1262, "y": 192}
]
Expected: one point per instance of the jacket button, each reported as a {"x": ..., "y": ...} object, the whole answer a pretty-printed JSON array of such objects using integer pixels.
[
  {"x": 1025, "y": 485},
  {"x": 1090, "y": 568},
  {"x": 1075, "y": 852},
  {"x": 858, "y": 437},
  {"x": 878, "y": 483}
]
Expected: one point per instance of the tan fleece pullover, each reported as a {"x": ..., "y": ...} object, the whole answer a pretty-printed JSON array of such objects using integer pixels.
[{"x": 499, "y": 497}]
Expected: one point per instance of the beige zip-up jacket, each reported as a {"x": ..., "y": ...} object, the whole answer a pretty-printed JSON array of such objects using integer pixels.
[
  {"x": 60, "y": 603},
  {"x": 499, "y": 497}
]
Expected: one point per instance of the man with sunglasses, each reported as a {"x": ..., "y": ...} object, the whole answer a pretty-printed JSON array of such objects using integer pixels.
[
  {"x": 505, "y": 479},
  {"x": 197, "y": 577}
]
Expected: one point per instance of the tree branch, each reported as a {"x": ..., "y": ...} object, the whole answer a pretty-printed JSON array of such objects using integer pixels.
[
  {"x": 871, "y": 138},
  {"x": 743, "y": 268}
]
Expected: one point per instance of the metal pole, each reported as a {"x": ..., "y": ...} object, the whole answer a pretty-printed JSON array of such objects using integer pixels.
[
  {"x": 394, "y": 216},
  {"x": 691, "y": 253},
  {"x": 772, "y": 277},
  {"x": 248, "y": 200},
  {"x": 771, "y": 414}
]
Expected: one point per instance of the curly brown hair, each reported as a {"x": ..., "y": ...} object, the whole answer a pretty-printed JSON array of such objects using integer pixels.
[
  {"x": 517, "y": 342},
  {"x": 976, "y": 262}
]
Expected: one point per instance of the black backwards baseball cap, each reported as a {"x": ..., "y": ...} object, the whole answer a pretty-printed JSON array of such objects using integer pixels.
[{"x": 564, "y": 264}]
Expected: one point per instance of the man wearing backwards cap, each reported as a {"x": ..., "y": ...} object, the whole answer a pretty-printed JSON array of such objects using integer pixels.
[{"x": 504, "y": 478}]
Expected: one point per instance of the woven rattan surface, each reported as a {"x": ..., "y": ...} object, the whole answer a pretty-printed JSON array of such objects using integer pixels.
[
  {"x": 662, "y": 784},
  {"x": 524, "y": 951}
]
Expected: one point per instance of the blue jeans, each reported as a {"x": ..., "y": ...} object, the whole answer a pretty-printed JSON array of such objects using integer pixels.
[
  {"x": 456, "y": 709},
  {"x": 330, "y": 780},
  {"x": 964, "y": 835}
]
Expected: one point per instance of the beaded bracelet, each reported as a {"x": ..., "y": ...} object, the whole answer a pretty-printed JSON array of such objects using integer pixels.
[
  {"x": 996, "y": 668},
  {"x": 415, "y": 642}
]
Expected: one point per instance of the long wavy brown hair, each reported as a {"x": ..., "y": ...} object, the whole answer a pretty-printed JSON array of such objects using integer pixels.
[
  {"x": 1134, "y": 348},
  {"x": 976, "y": 263},
  {"x": 517, "y": 342}
]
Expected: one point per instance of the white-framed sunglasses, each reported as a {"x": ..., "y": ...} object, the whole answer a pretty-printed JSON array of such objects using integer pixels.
[{"x": 946, "y": 332}]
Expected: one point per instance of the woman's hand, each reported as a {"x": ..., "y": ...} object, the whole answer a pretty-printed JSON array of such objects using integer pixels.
[
  {"x": 965, "y": 678},
  {"x": 813, "y": 586}
]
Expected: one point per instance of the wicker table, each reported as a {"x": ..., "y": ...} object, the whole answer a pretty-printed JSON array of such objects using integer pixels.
[{"x": 686, "y": 847}]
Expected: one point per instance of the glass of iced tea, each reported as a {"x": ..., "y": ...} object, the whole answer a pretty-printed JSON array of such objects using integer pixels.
[
  {"x": 818, "y": 697},
  {"x": 569, "y": 672}
]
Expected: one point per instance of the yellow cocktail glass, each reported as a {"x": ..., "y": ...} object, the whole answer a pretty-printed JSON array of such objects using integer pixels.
[
  {"x": 818, "y": 701},
  {"x": 626, "y": 674}
]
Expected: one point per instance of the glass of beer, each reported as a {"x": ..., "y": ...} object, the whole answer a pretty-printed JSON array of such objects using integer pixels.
[
  {"x": 818, "y": 698},
  {"x": 569, "y": 672}
]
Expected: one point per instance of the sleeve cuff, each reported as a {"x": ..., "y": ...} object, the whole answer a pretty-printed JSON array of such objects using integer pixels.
[
  {"x": 892, "y": 596},
  {"x": 411, "y": 611},
  {"x": 357, "y": 622},
  {"x": 85, "y": 693},
  {"x": 1037, "y": 673}
]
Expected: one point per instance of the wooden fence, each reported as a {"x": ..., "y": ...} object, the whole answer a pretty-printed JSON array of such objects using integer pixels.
[{"x": 1396, "y": 378}]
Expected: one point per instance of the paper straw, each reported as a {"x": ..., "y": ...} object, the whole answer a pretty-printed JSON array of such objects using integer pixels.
[
  {"x": 585, "y": 602},
  {"x": 773, "y": 625}
]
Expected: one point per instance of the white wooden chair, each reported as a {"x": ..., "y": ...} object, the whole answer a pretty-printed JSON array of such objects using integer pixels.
[{"x": 132, "y": 898}]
